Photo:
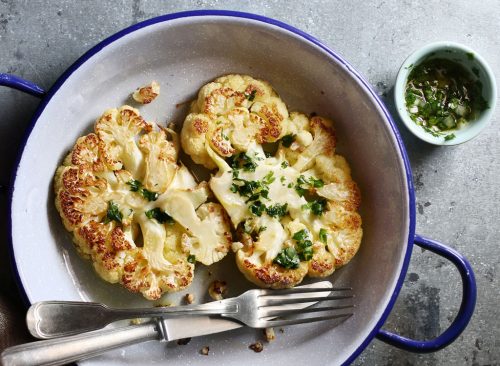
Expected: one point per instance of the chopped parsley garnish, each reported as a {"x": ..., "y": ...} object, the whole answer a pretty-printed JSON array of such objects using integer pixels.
[
  {"x": 302, "y": 251},
  {"x": 287, "y": 140},
  {"x": 159, "y": 215},
  {"x": 113, "y": 213},
  {"x": 303, "y": 245},
  {"x": 299, "y": 187},
  {"x": 300, "y": 235},
  {"x": 316, "y": 183},
  {"x": 449, "y": 137},
  {"x": 191, "y": 258},
  {"x": 303, "y": 186},
  {"x": 251, "y": 96},
  {"x": 252, "y": 189},
  {"x": 323, "y": 235},
  {"x": 257, "y": 208},
  {"x": 261, "y": 229},
  {"x": 242, "y": 161},
  {"x": 136, "y": 186},
  {"x": 305, "y": 250},
  {"x": 223, "y": 135},
  {"x": 149, "y": 195},
  {"x": 282, "y": 179},
  {"x": 317, "y": 207},
  {"x": 287, "y": 258},
  {"x": 269, "y": 178},
  {"x": 284, "y": 164},
  {"x": 277, "y": 210}
]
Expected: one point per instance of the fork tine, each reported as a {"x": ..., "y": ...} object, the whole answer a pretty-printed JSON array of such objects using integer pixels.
[
  {"x": 298, "y": 290},
  {"x": 286, "y": 312},
  {"x": 285, "y": 322},
  {"x": 277, "y": 302}
]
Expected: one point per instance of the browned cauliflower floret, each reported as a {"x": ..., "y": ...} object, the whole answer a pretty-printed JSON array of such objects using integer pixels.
[
  {"x": 146, "y": 94},
  {"x": 229, "y": 114},
  {"x": 117, "y": 193}
]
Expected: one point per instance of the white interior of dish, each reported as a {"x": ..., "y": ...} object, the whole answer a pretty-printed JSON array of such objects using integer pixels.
[{"x": 182, "y": 55}]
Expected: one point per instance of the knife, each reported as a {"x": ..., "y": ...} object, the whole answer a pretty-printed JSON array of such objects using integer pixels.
[{"x": 59, "y": 351}]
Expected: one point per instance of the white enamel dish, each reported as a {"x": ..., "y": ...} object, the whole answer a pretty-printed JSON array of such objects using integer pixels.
[{"x": 182, "y": 52}]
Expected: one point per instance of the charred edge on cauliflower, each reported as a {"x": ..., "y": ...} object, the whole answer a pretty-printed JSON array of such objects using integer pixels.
[{"x": 112, "y": 193}]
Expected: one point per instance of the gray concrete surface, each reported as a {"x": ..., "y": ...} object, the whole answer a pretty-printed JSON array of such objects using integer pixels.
[{"x": 456, "y": 187}]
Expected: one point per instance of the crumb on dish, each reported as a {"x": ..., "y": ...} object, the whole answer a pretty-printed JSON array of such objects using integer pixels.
[
  {"x": 270, "y": 335},
  {"x": 257, "y": 347}
]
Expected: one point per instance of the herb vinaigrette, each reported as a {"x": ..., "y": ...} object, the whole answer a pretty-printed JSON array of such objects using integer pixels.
[{"x": 442, "y": 96}]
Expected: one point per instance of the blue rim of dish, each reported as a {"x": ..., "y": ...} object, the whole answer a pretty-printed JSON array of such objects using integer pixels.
[{"x": 235, "y": 14}]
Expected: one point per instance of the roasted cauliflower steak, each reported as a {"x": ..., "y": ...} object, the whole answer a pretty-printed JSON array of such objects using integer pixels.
[
  {"x": 133, "y": 210},
  {"x": 294, "y": 211}
]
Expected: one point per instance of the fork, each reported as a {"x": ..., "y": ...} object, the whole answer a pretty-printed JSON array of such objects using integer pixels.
[{"x": 256, "y": 308}]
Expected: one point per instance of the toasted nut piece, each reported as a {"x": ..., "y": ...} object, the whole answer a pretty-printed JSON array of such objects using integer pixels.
[
  {"x": 147, "y": 93},
  {"x": 189, "y": 298},
  {"x": 217, "y": 289},
  {"x": 257, "y": 347},
  {"x": 269, "y": 333},
  {"x": 204, "y": 351}
]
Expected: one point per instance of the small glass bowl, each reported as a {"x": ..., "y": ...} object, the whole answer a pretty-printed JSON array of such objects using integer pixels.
[{"x": 478, "y": 69}]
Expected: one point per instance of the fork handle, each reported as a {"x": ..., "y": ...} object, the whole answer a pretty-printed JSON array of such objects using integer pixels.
[
  {"x": 60, "y": 351},
  {"x": 48, "y": 319}
]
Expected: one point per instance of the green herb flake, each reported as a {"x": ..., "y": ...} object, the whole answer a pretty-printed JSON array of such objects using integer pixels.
[
  {"x": 470, "y": 56},
  {"x": 262, "y": 229},
  {"x": 287, "y": 140},
  {"x": 269, "y": 178},
  {"x": 277, "y": 210},
  {"x": 449, "y": 137},
  {"x": 284, "y": 164},
  {"x": 300, "y": 235},
  {"x": 113, "y": 213},
  {"x": 306, "y": 254},
  {"x": 316, "y": 183},
  {"x": 323, "y": 235},
  {"x": 242, "y": 161},
  {"x": 303, "y": 245},
  {"x": 159, "y": 215},
  {"x": 191, "y": 258},
  {"x": 317, "y": 207},
  {"x": 135, "y": 185},
  {"x": 301, "y": 181},
  {"x": 149, "y": 195},
  {"x": 257, "y": 208},
  {"x": 287, "y": 258},
  {"x": 251, "y": 96}
]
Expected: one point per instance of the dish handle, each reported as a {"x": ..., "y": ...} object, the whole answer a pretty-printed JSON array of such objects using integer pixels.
[
  {"x": 464, "y": 314},
  {"x": 15, "y": 82}
]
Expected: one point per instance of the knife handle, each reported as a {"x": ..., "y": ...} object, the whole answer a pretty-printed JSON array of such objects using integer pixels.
[{"x": 59, "y": 351}]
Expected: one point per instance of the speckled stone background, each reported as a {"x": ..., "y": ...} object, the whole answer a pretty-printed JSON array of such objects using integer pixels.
[{"x": 457, "y": 188}]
